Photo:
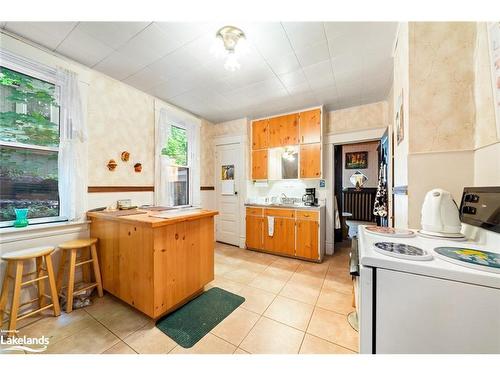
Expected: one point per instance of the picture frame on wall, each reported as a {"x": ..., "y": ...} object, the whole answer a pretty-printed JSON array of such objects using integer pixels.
[
  {"x": 399, "y": 120},
  {"x": 356, "y": 160},
  {"x": 494, "y": 48}
]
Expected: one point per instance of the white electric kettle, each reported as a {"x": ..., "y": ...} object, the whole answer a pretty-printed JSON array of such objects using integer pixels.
[{"x": 440, "y": 215}]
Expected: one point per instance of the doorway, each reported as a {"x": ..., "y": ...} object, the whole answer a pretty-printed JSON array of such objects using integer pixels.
[
  {"x": 229, "y": 176},
  {"x": 357, "y": 173}
]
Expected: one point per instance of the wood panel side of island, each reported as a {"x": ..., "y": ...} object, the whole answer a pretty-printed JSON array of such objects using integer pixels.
[{"x": 183, "y": 262}]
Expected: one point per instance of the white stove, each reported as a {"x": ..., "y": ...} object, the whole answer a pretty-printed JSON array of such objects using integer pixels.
[{"x": 430, "y": 295}]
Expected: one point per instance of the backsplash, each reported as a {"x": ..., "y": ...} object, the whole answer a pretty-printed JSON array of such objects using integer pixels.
[{"x": 258, "y": 191}]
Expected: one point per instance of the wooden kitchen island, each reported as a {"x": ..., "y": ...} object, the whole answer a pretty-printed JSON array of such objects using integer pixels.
[{"x": 155, "y": 264}]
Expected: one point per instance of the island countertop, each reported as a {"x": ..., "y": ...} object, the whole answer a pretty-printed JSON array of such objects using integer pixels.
[{"x": 145, "y": 217}]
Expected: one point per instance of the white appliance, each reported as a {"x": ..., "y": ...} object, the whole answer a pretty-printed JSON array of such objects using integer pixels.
[
  {"x": 443, "y": 296},
  {"x": 440, "y": 216}
]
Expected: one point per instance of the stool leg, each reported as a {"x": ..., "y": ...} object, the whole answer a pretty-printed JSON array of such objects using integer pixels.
[
  {"x": 52, "y": 284},
  {"x": 16, "y": 297},
  {"x": 86, "y": 267},
  {"x": 97, "y": 271},
  {"x": 5, "y": 291},
  {"x": 60, "y": 271},
  {"x": 71, "y": 281},
  {"x": 41, "y": 283}
]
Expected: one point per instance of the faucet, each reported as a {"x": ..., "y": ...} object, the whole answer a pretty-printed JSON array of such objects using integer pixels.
[{"x": 283, "y": 198}]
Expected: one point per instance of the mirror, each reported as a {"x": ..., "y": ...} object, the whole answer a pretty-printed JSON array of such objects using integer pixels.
[{"x": 283, "y": 163}]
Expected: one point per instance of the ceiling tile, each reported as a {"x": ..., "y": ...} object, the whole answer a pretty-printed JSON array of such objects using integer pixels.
[
  {"x": 269, "y": 38},
  {"x": 319, "y": 71},
  {"x": 184, "y": 32},
  {"x": 313, "y": 53},
  {"x": 303, "y": 34},
  {"x": 144, "y": 79},
  {"x": 84, "y": 48},
  {"x": 118, "y": 66},
  {"x": 292, "y": 79},
  {"x": 283, "y": 63},
  {"x": 113, "y": 34},
  {"x": 48, "y": 34},
  {"x": 148, "y": 46}
]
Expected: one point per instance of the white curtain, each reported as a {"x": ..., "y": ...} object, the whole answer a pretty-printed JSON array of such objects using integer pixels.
[
  {"x": 72, "y": 161},
  {"x": 163, "y": 172}
]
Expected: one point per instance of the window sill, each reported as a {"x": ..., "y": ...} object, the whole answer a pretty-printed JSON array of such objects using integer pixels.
[{"x": 12, "y": 234}]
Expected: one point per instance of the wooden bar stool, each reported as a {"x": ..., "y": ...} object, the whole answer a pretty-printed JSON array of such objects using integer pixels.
[
  {"x": 85, "y": 259},
  {"x": 15, "y": 261}
]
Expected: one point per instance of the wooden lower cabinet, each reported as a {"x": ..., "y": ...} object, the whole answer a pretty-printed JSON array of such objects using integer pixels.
[
  {"x": 283, "y": 239},
  {"x": 297, "y": 233},
  {"x": 254, "y": 225},
  {"x": 307, "y": 239}
]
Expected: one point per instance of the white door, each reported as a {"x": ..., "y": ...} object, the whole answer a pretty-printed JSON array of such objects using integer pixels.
[{"x": 229, "y": 177}]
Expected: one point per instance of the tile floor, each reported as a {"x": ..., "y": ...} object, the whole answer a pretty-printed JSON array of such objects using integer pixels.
[{"x": 291, "y": 307}]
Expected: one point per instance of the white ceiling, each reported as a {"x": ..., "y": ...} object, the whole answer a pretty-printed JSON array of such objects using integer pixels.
[{"x": 289, "y": 65}]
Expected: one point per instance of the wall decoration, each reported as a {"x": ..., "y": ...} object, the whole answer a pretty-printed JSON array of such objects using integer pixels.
[
  {"x": 399, "y": 120},
  {"x": 111, "y": 165},
  {"x": 356, "y": 160},
  {"x": 138, "y": 167},
  {"x": 125, "y": 156},
  {"x": 227, "y": 172},
  {"x": 358, "y": 179},
  {"x": 494, "y": 44}
]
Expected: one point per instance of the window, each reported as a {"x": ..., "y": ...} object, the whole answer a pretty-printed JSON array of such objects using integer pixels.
[
  {"x": 176, "y": 149},
  {"x": 29, "y": 140}
]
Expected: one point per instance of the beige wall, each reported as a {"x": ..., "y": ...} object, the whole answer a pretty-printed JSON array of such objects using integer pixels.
[
  {"x": 207, "y": 153},
  {"x": 451, "y": 133},
  {"x": 441, "y": 86},
  {"x": 120, "y": 118},
  {"x": 487, "y": 141},
  {"x": 369, "y": 116},
  {"x": 371, "y": 172}
]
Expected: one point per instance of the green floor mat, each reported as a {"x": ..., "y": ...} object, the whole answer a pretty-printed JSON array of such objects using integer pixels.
[{"x": 187, "y": 325}]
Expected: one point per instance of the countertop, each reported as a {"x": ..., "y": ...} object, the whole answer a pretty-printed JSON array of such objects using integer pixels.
[
  {"x": 286, "y": 206},
  {"x": 146, "y": 217}
]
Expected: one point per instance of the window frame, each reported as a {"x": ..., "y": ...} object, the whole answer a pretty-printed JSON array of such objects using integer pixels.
[
  {"x": 47, "y": 75},
  {"x": 188, "y": 164}
]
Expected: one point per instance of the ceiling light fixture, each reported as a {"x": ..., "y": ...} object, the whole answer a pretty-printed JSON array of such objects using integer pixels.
[{"x": 233, "y": 43}]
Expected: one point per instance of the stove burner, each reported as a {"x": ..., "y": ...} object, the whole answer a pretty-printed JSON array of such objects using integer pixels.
[
  {"x": 400, "y": 250},
  {"x": 473, "y": 258}
]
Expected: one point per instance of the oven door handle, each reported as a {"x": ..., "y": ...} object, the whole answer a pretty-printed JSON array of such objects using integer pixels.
[{"x": 354, "y": 258}]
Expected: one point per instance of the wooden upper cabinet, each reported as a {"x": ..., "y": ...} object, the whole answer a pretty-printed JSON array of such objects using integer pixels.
[
  {"x": 310, "y": 160},
  {"x": 289, "y": 129},
  {"x": 259, "y": 165},
  {"x": 310, "y": 126},
  {"x": 260, "y": 134},
  {"x": 283, "y": 130}
]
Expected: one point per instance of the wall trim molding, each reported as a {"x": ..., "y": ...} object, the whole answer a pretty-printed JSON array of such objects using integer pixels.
[
  {"x": 114, "y": 189},
  {"x": 355, "y": 136}
]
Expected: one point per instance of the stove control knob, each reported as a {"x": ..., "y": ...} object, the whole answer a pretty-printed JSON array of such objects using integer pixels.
[
  {"x": 469, "y": 210},
  {"x": 473, "y": 198}
]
